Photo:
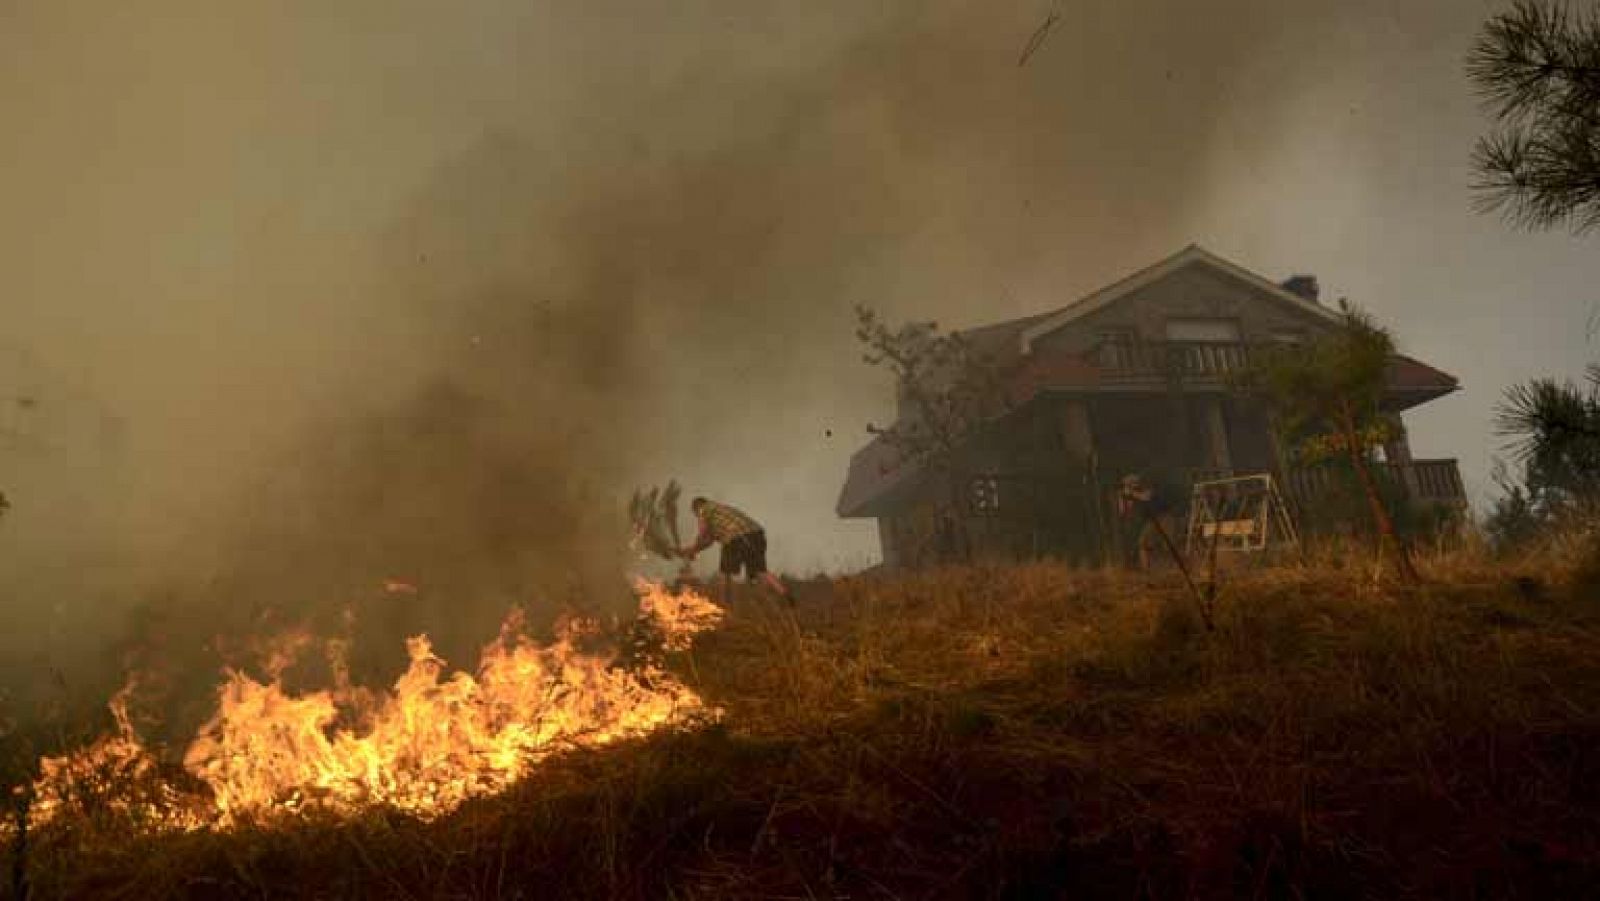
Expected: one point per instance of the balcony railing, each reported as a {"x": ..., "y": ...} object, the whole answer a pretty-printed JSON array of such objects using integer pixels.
[
  {"x": 1434, "y": 480},
  {"x": 1425, "y": 481},
  {"x": 1128, "y": 360}
]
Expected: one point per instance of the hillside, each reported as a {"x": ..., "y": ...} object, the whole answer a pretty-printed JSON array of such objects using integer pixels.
[{"x": 1017, "y": 733}]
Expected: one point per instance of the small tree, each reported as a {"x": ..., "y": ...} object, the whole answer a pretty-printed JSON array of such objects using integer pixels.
[
  {"x": 946, "y": 389},
  {"x": 1537, "y": 68},
  {"x": 1325, "y": 399},
  {"x": 1518, "y": 514},
  {"x": 1555, "y": 432}
]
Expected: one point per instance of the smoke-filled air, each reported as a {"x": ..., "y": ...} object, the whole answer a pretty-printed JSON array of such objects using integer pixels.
[
  {"x": 335, "y": 339},
  {"x": 420, "y": 294}
]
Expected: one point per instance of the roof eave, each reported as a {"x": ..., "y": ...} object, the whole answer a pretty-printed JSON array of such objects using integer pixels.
[
  {"x": 879, "y": 502},
  {"x": 1402, "y": 399}
]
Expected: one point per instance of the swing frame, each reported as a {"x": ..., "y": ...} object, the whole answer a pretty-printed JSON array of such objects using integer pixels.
[{"x": 1240, "y": 514}]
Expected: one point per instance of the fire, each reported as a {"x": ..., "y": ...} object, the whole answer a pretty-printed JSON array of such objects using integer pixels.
[
  {"x": 115, "y": 773},
  {"x": 434, "y": 740},
  {"x": 679, "y": 617}
]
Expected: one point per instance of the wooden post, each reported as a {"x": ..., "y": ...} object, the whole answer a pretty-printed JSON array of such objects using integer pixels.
[
  {"x": 1287, "y": 483},
  {"x": 1076, "y": 432},
  {"x": 1398, "y": 448},
  {"x": 1216, "y": 429},
  {"x": 1077, "y": 437},
  {"x": 887, "y": 541},
  {"x": 1397, "y": 455}
]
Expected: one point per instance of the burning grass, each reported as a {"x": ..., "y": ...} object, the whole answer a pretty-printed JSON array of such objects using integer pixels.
[
  {"x": 1018, "y": 732},
  {"x": 432, "y": 742}
]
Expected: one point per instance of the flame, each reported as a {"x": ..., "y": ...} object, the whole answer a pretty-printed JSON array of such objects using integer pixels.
[
  {"x": 115, "y": 757},
  {"x": 678, "y": 617},
  {"x": 431, "y": 742},
  {"x": 115, "y": 773}
]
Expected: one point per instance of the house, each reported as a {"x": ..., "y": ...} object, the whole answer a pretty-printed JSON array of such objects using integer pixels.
[{"x": 1135, "y": 377}]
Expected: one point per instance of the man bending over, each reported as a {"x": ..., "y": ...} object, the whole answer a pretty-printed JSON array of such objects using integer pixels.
[{"x": 744, "y": 546}]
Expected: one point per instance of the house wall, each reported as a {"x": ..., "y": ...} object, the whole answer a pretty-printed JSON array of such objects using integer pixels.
[
  {"x": 1046, "y": 499},
  {"x": 888, "y": 547},
  {"x": 910, "y": 533},
  {"x": 1191, "y": 292}
]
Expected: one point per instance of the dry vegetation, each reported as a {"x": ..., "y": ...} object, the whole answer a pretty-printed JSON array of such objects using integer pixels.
[{"x": 1026, "y": 732}]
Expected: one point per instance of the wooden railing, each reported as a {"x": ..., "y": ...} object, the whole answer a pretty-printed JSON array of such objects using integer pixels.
[
  {"x": 1432, "y": 480},
  {"x": 1425, "y": 481},
  {"x": 1138, "y": 360}
]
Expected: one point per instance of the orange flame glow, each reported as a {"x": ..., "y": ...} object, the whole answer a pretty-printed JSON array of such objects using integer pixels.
[{"x": 433, "y": 741}]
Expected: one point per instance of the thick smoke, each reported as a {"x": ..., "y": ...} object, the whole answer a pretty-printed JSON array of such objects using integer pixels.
[{"x": 644, "y": 271}]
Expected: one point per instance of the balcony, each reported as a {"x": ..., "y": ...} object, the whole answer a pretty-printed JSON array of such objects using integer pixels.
[
  {"x": 1426, "y": 481},
  {"x": 1134, "y": 361}
]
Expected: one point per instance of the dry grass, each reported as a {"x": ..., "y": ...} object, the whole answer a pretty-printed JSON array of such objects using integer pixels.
[{"x": 1033, "y": 731}]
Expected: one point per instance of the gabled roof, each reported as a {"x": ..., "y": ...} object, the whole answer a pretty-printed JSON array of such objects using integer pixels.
[
  {"x": 1192, "y": 255},
  {"x": 880, "y": 475}
]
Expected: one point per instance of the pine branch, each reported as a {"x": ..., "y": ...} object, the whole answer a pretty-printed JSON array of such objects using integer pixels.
[{"x": 1537, "y": 70}]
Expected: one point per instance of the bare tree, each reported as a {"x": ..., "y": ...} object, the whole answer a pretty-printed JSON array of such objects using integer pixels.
[
  {"x": 946, "y": 388},
  {"x": 1537, "y": 69}
]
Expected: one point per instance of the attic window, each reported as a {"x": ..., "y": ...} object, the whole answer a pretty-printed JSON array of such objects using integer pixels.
[{"x": 1288, "y": 336}]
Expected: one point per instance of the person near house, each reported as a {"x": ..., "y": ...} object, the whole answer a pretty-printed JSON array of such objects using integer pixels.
[
  {"x": 1140, "y": 509},
  {"x": 744, "y": 546},
  {"x": 1132, "y": 500}
]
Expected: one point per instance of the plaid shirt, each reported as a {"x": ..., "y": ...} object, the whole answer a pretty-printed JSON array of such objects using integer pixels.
[{"x": 722, "y": 523}]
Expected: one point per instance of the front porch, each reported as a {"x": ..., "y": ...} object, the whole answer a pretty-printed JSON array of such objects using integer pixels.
[{"x": 1072, "y": 514}]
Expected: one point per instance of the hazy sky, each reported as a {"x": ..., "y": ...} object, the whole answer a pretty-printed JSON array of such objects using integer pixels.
[{"x": 240, "y": 224}]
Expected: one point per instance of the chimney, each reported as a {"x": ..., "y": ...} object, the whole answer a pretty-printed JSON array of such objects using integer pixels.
[{"x": 1304, "y": 286}]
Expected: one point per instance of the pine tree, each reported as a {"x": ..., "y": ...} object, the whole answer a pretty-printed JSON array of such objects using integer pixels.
[
  {"x": 1537, "y": 69},
  {"x": 1326, "y": 402}
]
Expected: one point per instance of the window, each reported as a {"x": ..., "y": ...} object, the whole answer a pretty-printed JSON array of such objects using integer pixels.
[
  {"x": 1203, "y": 331},
  {"x": 1288, "y": 336},
  {"x": 985, "y": 496}
]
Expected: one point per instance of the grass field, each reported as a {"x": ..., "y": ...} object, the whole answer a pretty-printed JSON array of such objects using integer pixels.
[{"x": 1022, "y": 732}]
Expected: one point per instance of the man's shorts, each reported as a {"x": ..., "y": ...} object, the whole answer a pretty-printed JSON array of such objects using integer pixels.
[{"x": 747, "y": 552}]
